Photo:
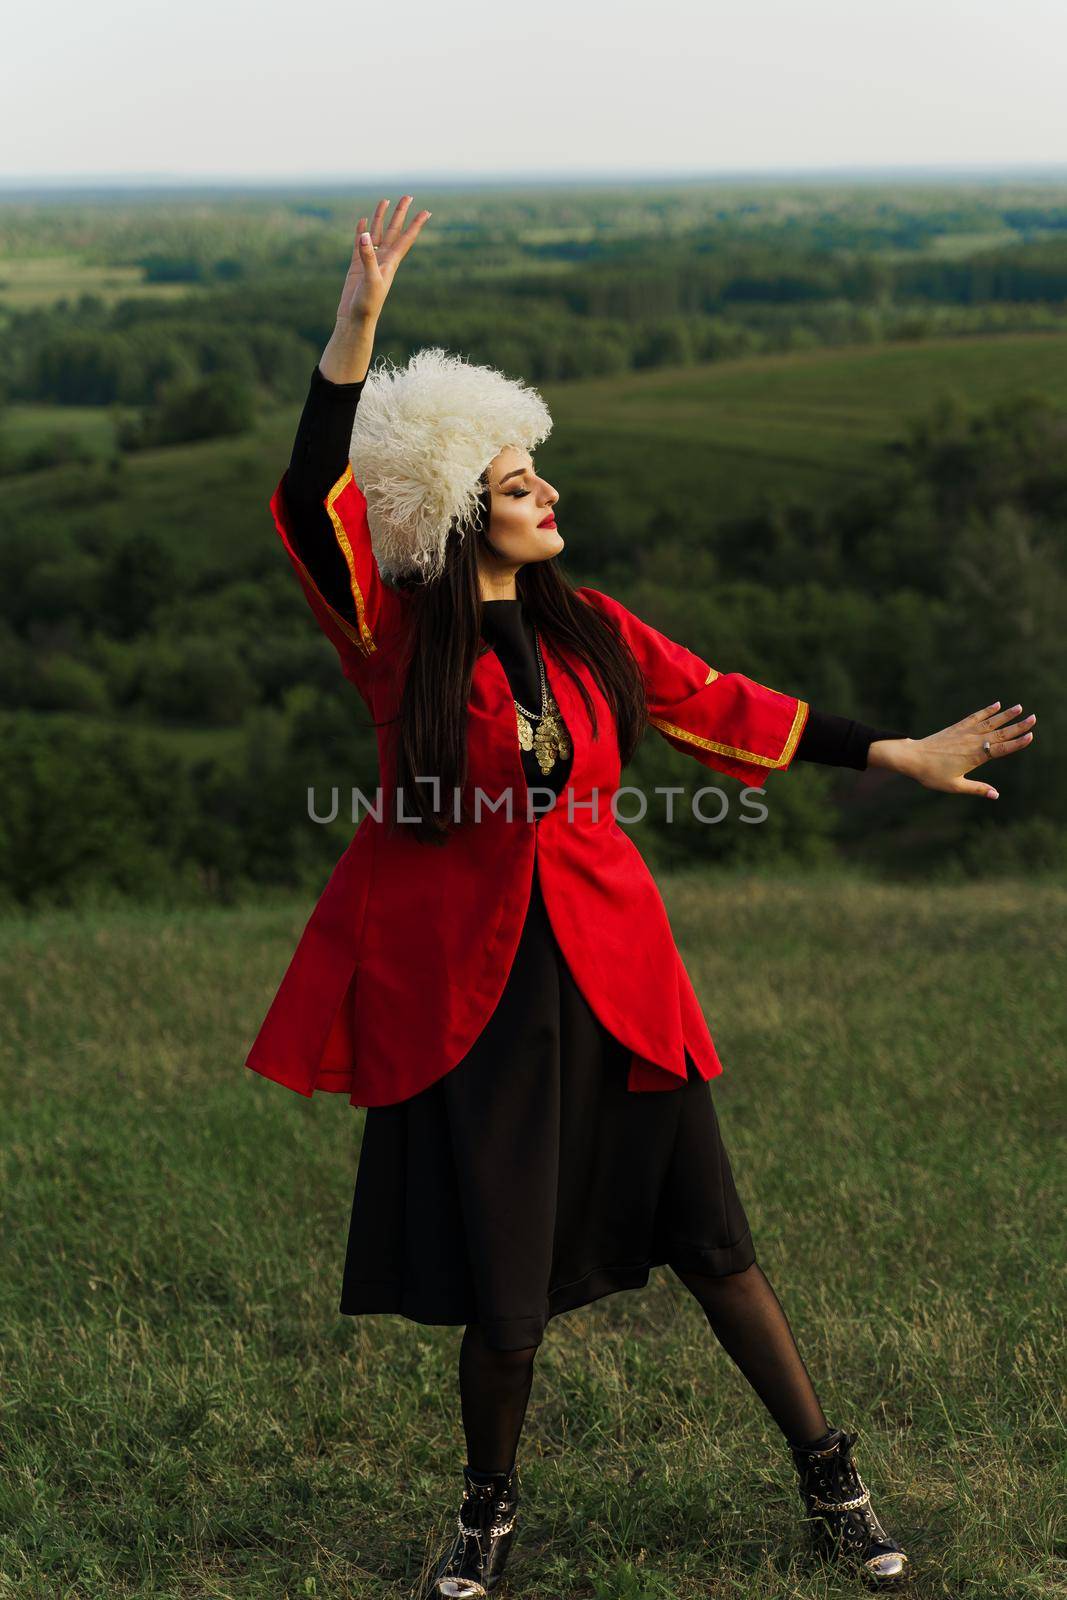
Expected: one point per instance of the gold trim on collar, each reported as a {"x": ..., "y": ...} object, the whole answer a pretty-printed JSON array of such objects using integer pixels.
[
  {"x": 365, "y": 639},
  {"x": 731, "y": 750}
]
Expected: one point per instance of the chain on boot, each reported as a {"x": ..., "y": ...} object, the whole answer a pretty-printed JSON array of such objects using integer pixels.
[
  {"x": 840, "y": 1515},
  {"x": 485, "y": 1530}
]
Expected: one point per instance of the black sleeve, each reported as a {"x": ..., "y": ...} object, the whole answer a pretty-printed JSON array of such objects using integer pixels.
[
  {"x": 319, "y": 458},
  {"x": 838, "y": 741}
]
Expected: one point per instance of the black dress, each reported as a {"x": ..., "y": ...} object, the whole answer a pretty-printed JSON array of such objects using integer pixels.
[{"x": 528, "y": 1180}]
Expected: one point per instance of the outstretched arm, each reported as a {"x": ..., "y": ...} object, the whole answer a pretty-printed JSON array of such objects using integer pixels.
[
  {"x": 940, "y": 760},
  {"x": 725, "y": 720},
  {"x": 835, "y": 741},
  {"x": 736, "y": 725}
]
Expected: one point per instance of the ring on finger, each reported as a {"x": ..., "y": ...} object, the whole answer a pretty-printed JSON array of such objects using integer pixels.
[{"x": 985, "y": 747}]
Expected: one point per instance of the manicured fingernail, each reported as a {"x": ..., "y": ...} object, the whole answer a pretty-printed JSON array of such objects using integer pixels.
[
  {"x": 364, "y": 238},
  {"x": 993, "y": 794}
]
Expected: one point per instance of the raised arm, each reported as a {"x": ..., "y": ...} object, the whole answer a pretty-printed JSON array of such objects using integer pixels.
[
  {"x": 319, "y": 460},
  {"x": 319, "y": 509}
]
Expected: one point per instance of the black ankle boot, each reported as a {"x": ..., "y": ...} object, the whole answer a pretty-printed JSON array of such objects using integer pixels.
[
  {"x": 839, "y": 1511},
  {"x": 486, "y": 1523}
]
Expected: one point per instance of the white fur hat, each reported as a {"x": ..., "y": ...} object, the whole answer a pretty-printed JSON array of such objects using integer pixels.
[{"x": 423, "y": 436}]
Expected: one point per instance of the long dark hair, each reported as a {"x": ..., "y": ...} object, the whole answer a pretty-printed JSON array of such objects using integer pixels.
[{"x": 431, "y": 733}]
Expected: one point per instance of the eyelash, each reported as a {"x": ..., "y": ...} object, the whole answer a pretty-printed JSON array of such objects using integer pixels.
[{"x": 518, "y": 492}]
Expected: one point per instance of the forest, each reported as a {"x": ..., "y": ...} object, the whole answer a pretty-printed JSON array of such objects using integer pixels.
[{"x": 835, "y": 421}]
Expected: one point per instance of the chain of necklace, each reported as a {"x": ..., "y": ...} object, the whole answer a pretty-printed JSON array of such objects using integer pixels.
[{"x": 549, "y": 741}]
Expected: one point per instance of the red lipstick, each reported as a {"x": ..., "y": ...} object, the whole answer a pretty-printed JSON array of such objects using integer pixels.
[{"x": 549, "y": 522}]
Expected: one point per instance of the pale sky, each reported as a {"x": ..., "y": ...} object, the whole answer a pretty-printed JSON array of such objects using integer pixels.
[{"x": 231, "y": 88}]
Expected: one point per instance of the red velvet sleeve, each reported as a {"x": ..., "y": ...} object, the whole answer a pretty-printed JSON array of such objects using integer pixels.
[
  {"x": 723, "y": 719},
  {"x": 374, "y": 613}
]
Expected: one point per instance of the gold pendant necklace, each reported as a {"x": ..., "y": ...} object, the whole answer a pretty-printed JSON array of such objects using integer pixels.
[{"x": 550, "y": 739}]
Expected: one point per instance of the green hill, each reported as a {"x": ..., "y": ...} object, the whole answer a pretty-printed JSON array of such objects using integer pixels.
[{"x": 809, "y": 423}]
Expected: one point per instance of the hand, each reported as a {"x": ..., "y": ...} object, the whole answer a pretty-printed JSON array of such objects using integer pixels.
[
  {"x": 375, "y": 259},
  {"x": 940, "y": 760}
]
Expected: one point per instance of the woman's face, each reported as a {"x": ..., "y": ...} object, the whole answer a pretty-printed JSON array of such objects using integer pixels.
[{"x": 522, "y": 526}]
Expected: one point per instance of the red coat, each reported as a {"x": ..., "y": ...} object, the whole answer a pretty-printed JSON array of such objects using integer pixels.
[{"x": 407, "y": 951}]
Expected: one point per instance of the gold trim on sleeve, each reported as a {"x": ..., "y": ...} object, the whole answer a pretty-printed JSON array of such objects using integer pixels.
[
  {"x": 712, "y": 675},
  {"x": 345, "y": 626},
  {"x": 365, "y": 639},
  {"x": 732, "y": 750}
]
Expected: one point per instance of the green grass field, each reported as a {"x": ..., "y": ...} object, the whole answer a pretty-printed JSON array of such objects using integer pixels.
[
  {"x": 814, "y": 422},
  {"x": 186, "y": 1414},
  {"x": 29, "y": 283},
  {"x": 24, "y": 425}
]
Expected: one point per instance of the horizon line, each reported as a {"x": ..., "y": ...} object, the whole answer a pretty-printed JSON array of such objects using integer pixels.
[{"x": 452, "y": 177}]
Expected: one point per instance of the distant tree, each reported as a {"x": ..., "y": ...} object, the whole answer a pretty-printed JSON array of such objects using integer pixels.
[
  {"x": 216, "y": 407},
  {"x": 88, "y": 811},
  {"x": 223, "y": 349},
  {"x": 63, "y": 683},
  {"x": 62, "y": 587},
  {"x": 665, "y": 343},
  {"x": 1007, "y": 598},
  {"x": 283, "y": 361},
  {"x": 55, "y": 449},
  {"x": 81, "y": 368},
  {"x": 140, "y": 575},
  {"x": 196, "y": 680},
  {"x": 161, "y": 268},
  {"x": 160, "y": 359},
  {"x": 16, "y": 668}
]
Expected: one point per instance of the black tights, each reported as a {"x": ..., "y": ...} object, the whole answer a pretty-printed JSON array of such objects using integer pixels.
[
  {"x": 494, "y": 1386},
  {"x": 746, "y": 1317}
]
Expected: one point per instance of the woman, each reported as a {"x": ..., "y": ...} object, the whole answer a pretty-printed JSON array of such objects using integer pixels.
[{"x": 494, "y": 978}]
